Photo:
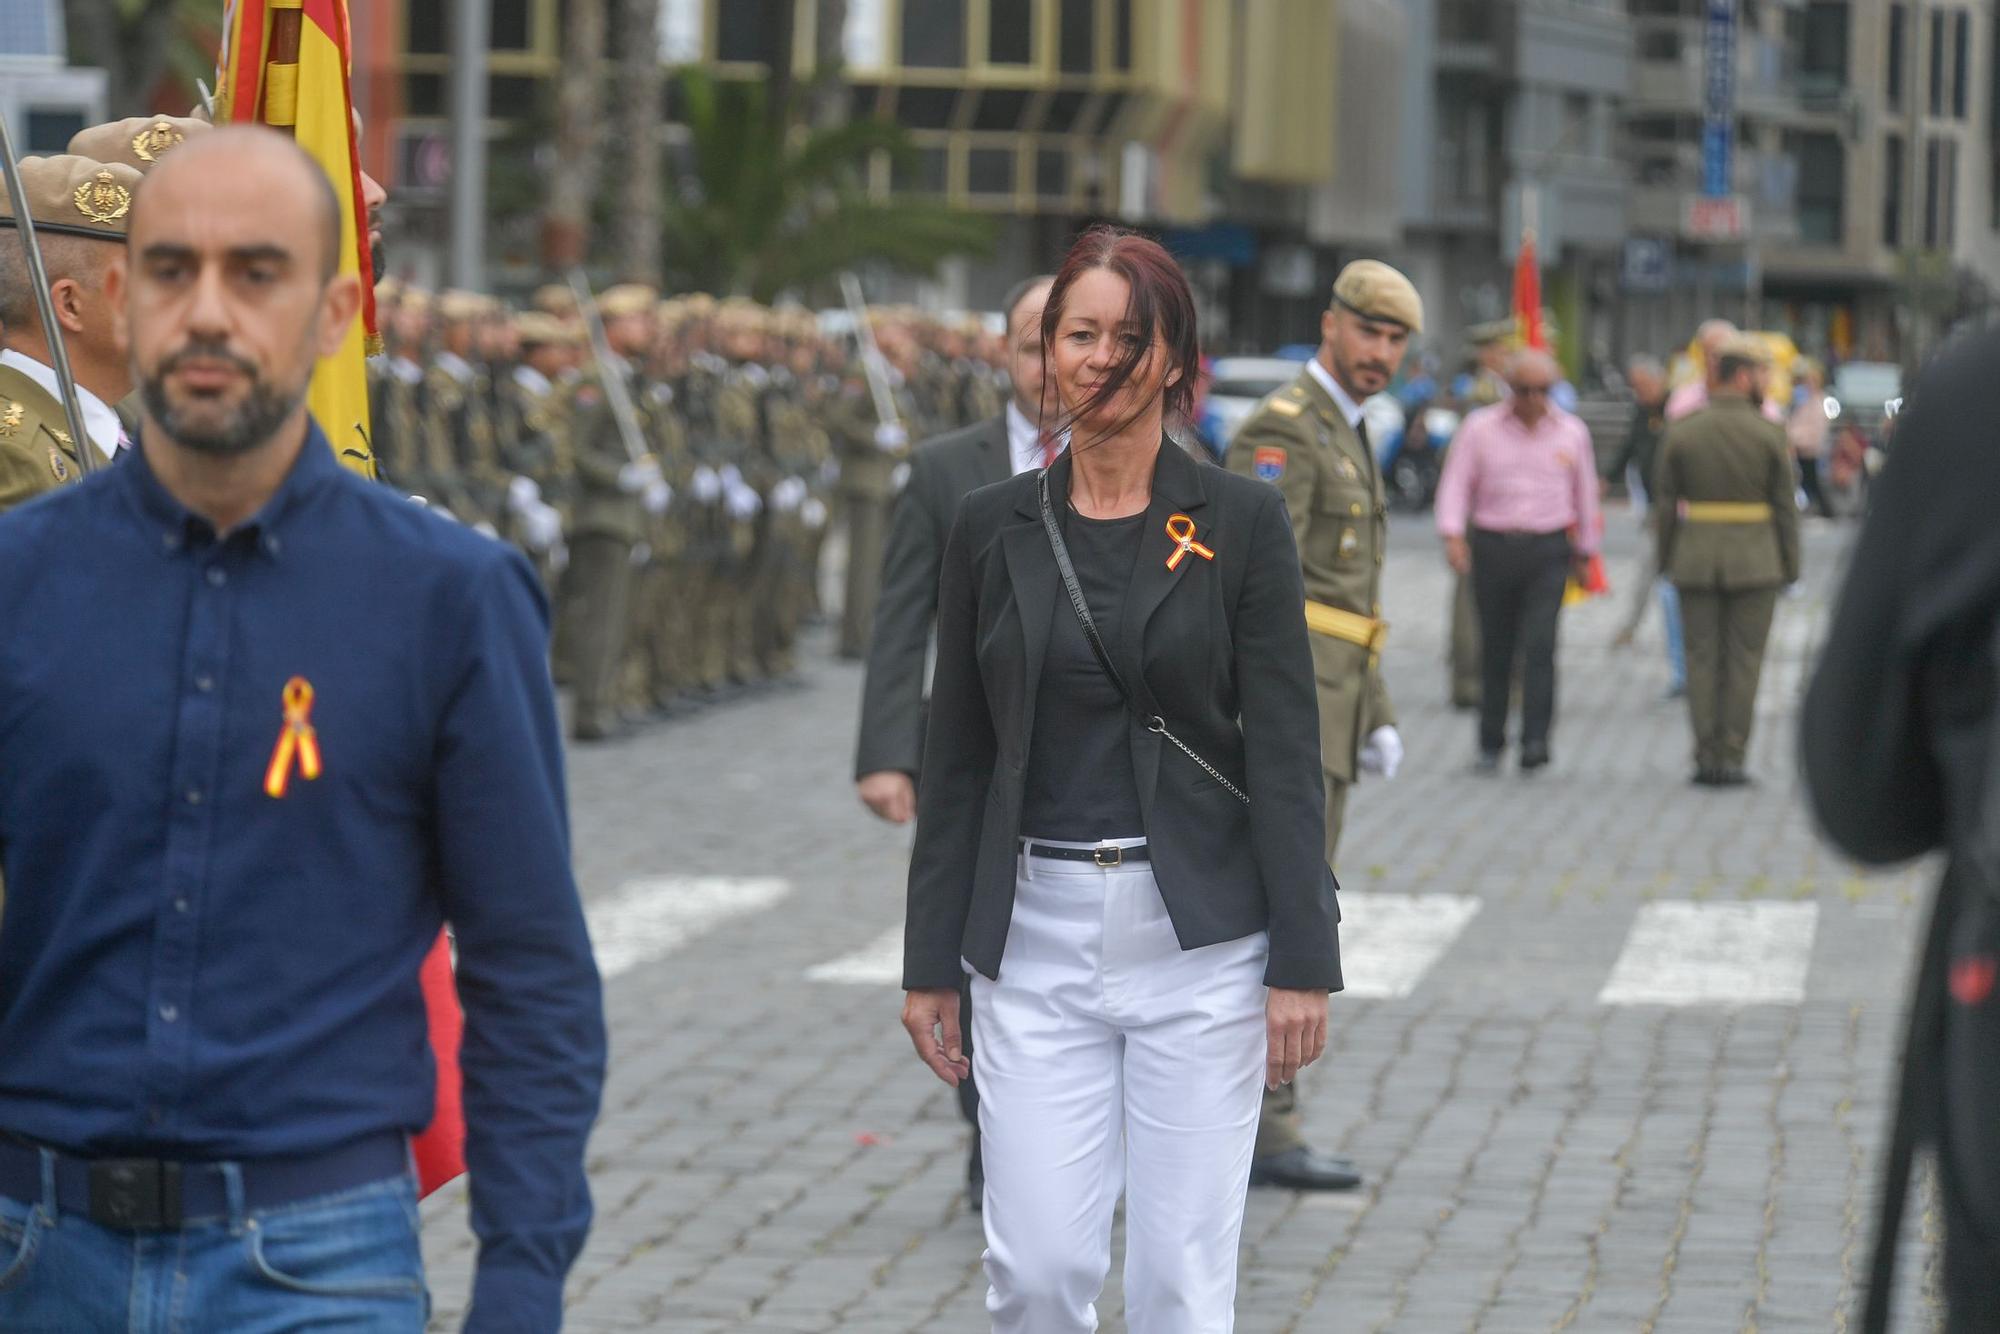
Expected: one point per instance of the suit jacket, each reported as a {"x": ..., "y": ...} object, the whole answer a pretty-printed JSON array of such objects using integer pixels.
[
  {"x": 1216, "y": 647},
  {"x": 1727, "y": 452},
  {"x": 942, "y": 473}
]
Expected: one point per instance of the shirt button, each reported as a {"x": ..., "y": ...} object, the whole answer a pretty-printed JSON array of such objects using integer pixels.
[
  {"x": 170, "y": 541},
  {"x": 204, "y": 683},
  {"x": 217, "y": 576},
  {"x": 169, "y": 1013},
  {"x": 271, "y": 544},
  {"x": 181, "y": 904},
  {"x": 194, "y": 796}
]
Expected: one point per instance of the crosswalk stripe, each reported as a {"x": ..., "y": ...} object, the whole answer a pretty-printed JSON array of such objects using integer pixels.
[
  {"x": 646, "y": 920},
  {"x": 878, "y": 963},
  {"x": 1680, "y": 953},
  {"x": 1388, "y": 942}
]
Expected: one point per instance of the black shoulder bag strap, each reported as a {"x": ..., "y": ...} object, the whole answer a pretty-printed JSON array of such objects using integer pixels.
[
  {"x": 1153, "y": 722},
  {"x": 1917, "y": 1092}
]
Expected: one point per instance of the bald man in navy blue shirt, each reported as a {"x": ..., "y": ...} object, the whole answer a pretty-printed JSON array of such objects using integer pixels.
[{"x": 264, "y": 726}]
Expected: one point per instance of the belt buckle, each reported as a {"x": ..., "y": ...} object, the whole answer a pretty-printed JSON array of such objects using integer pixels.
[
  {"x": 1108, "y": 855},
  {"x": 135, "y": 1194}
]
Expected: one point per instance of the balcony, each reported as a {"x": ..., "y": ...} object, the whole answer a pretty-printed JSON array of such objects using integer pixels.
[{"x": 1666, "y": 175}]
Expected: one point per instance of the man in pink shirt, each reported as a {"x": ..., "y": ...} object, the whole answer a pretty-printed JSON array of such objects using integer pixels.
[{"x": 1518, "y": 507}]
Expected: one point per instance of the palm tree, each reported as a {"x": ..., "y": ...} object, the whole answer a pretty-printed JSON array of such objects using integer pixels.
[
  {"x": 641, "y": 82},
  {"x": 137, "y": 43},
  {"x": 761, "y": 208},
  {"x": 573, "y": 174}
]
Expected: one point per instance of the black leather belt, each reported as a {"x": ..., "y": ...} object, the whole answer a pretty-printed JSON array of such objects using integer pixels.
[
  {"x": 163, "y": 1194},
  {"x": 1104, "y": 855}
]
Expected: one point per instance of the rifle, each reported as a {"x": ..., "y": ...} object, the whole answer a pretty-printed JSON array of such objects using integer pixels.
[
  {"x": 872, "y": 364},
  {"x": 616, "y": 392},
  {"x": 38, "y": 277}
]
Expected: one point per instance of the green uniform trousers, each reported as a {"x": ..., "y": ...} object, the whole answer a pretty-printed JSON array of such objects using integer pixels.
[
  {"x": 867, "y": 537},
  {"x": 601, "y": 577},
  {"x": 1725, "y": 635}
]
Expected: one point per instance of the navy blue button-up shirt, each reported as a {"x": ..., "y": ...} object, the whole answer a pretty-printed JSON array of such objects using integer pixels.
[{"x": 190, "y": 967}]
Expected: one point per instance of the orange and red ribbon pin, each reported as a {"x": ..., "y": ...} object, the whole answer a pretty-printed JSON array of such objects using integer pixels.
[
  {"x": 1181, "y": 529},
  {"x": 297, "y": 740}
]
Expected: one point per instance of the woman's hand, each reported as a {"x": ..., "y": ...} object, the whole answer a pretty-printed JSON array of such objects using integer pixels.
[
  {"x": 931, "y": 1016},
  {"x": 1294, "y": 1020}
]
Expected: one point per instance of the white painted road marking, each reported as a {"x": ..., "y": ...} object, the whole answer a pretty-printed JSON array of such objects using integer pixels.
[
  {"x": 878, "y": 963},
  {"x": 648, "y": 919},
  {"x": 1389, "y": 941},
  {"x": 1715, "y": 954}
]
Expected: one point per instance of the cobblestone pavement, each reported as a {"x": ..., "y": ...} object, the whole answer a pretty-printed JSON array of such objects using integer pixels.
[{"x": 1548, "y": 1146}]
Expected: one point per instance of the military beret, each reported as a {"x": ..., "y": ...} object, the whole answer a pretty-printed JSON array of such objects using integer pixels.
[
  {"x": 537, "y": 326},
  {"x": 1747, "y": 347},
  {"x": 457, "y": 306},
  {"x": 1372, "y": 289},
  {"x": 627, "y": 299},
  {"x": 554, "y": 299},
  {"x": 1491, "y": 332},
  {"x": 139, "y": 142},
  {"x": 75, "y": 196}
]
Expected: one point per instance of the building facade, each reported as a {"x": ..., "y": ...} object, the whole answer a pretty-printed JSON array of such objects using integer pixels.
[{"x": 44, "y": 99}]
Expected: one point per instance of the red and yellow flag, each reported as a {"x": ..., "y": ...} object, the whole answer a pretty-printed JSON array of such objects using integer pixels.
[
  {"x": 1528, "y": 296},
  {"x": 285, "y": 63}
]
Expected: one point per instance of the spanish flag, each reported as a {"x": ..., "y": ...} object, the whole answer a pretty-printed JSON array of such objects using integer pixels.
[
  {"x": 1528, "y": 296},
  {"x": 285, "y": 63}
]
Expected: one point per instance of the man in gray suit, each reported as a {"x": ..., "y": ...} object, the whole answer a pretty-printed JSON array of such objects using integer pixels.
[{"x": 942, "y": 472}]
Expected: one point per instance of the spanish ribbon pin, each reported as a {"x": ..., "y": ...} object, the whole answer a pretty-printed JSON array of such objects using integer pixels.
[
  {"x": 298, "y": 739},
  {"x": 1181, "y": 529}
]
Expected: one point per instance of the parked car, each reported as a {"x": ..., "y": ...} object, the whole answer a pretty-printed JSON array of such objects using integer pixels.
[{"x": 1239, "y": 385}]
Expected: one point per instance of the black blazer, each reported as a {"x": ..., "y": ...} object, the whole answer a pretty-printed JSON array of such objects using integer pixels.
[
  {"x": 1216, "y": 647},
  {"x": 942, "y": 472}
]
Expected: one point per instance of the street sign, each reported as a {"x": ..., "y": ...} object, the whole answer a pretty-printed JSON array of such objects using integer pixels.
[
  {"x": 1704, "y": 218},
  {"x": 1718, "y": 99}
]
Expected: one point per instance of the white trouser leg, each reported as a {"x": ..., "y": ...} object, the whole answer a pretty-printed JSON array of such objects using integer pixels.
[
  {"x": 1051, "y": 1121},
  {"x": 1106, "y": 1051}
]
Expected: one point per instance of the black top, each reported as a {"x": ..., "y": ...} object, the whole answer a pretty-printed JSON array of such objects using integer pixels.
[{"x": 1081, "y": 785}]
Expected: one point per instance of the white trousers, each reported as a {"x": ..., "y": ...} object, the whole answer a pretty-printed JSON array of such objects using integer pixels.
[{"x": 1109, "y": 1058}]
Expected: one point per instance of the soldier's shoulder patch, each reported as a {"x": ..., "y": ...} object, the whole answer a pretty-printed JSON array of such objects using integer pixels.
[
  {"x": 1268, "y": 462},
  {"x": 59, "y": 465},
  {"x": 586, "y": 394},
  {"x": 1286, "y": 406}
]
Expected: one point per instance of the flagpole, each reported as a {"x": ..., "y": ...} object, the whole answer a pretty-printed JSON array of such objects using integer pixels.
[{"x": 38, "y": 278}]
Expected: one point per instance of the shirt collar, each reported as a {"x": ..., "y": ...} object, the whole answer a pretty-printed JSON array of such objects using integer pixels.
[
  {"x": 1349, "y": 409},
  {"x": 314, "y": 468},
  {"x": 1024, "y": 440},
  {"x": 531, "y": 379},
  {"x": 98, "y": 418},
  {"x": 457, "y": 367}
]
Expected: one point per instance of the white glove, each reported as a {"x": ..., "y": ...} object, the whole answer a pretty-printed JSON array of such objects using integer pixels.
[
  {"x": 899, "y": 478},
  {"x": 641, "y": 553},
  {"x": 636, "y": 477},
  {"x": 891, "y": 436},
  {"x": 1383, "y": 754},
  {"x": 523, "y": 495},
  {"x": 707, "y": 486},
  {"x": 656, "y": 497},
  {"x": 732, "y": 477},
  {"x": 544, "y": 528},
  {"x": 788, "y": 495},
  {"x": 744, "y": 503},
  {"x": 813, "y": 514}
]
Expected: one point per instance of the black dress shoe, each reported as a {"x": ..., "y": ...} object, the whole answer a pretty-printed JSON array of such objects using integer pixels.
[
  {"x": 1304, "y": 1169},
  {"x": 1704, "y": 777},
  {"x": 1533, "y": 758},
  {"x": 975, "y": 1176},
  {"x": 1731, "y": 778}
]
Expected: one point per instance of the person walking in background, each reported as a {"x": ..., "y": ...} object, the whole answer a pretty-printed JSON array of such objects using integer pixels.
[
  {"x": 1728, "y": 534},
  {"x": 1311, "y": 442},
  {"x": 1122, "y": 668},
  {"x": 1517, "y": 507},
  {"x": 1901, "y": 757},
  {"x": 942, "y": 473},
  {"x": 1633, "y": 464},
  {"x": 1807, "y": 428}
]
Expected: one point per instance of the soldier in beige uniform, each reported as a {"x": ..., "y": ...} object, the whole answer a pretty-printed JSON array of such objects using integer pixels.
[
  {"x": 1309, "y": 440},
  {"x": 1729, "y": 540},
  {"x": 80, "y": 207},
  {"x": 458, "y": 412}
]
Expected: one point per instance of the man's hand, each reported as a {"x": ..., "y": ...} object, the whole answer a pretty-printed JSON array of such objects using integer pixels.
[
  {"x": 1458, "y": 555},
  {"x": 890, "y": 794},
  {"x": 1294, "y": 1020},
  {"x": 1382, "y": 755},
  {"x": 931, "y": 1016}
]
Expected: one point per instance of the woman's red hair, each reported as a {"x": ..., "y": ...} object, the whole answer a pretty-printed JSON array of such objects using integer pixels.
[{"x": 1161, "y": 305}]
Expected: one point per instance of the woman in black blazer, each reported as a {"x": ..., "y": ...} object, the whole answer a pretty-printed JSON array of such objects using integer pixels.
[{"x": 1146, "y": 946}]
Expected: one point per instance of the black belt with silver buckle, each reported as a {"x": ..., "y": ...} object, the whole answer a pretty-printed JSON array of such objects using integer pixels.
[{"x": 1106, "y": 854}]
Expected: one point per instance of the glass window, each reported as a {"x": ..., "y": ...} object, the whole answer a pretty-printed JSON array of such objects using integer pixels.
[
  {"x": 1894, "y": 169},
  {"x": 49, "y": 130},
  {"x": 1960, "y": 54},
  {"x": 989, "y": 171},
  {"x": 1823, "y": 43},
  {"x": 926, "y": 108},
  {"x": 1950, "y": 204},
  {"x": 513, "y": 26},
  {"x": 1660, "y": 44},
  {"x": 1063, "y": 110},
  {"x": 934, "y": 34},
  {"x": 1010, "y": 32},
  {"x": 1121, "y": 47},
  {"x": 423, "y": 95},
  {"x": 1933, "y": 162},
  {"x": 1937, "y": 62},
  {"x": 1052, "y": 174},
  {"x": 743, "y": 35},
  {"x": 1822, "y": 188},
  {"x": 1898, "y": 55},
  {"x": 864, "y": 97},
  {"x": 1078, "y": 37},
  {"x": 427, "y": 29},
  {"x": 1000, "y": 109},
  {"x": 923, "y": 171}
]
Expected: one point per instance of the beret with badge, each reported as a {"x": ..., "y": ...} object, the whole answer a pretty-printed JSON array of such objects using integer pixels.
[
  {"x": 139, "y": 142},
  {"x": 1373, "y": 290},
  {"x": 75, "y": 196},
  {"x": 627, "y": 299}
]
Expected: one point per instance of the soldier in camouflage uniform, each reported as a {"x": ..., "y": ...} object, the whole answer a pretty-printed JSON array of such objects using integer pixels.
[
  {"x": 531, "y": 422},
  {"x": 458, "y": 414},
  {"x": 871, "y": 452}
]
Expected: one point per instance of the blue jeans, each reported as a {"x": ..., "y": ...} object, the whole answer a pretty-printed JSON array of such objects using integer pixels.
[
  {"x": 348, "y": 1261},
  {"x": 1670, "y": 614}
]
